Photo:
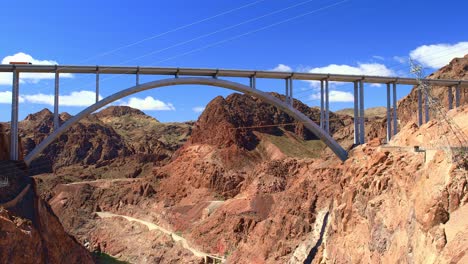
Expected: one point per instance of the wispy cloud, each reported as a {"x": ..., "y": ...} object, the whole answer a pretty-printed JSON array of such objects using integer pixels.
[
  {"x": 282, "y": 68},
  {"x": 29, "y": 77},
  {"x": 377, "y": 69},
  {"x": 149, "y": 104},
  {"x": 400, "y": 59},
  {"x": 79, "y": 98},
  {"x": 198, "y": 109},
  {"x": 438, "y": 55},
  {"x": 6, "y": 96},
  {"x": 335, "y": 96}
]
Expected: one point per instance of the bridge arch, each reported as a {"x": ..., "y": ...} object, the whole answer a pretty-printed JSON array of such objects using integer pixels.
[{"x": 297, "y": 115}]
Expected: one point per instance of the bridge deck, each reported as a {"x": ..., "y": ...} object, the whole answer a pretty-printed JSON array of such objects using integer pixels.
[{"x": 224, "y": 73}]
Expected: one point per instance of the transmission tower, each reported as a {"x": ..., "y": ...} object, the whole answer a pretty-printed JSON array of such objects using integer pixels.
[{"x": 457, "y": 150}]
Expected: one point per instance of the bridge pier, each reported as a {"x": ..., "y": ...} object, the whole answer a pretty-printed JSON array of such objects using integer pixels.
[
  {"x": 356, "y": 114},
  {"x": 291, "y": 96},
  {"x": 395, "y": 117},
  {"x": 361, "y": 113},
  {"x": 426, "y": 104},
  {"x": 253, "y": 82},
  {"x": 450, "y": 98},
  {"x": 389, "y": 122},
  {"x": 14, "y": 147},
  {"x": 137, "y": 76},
  {"x": 327, "y": 107},
  {"x": 457, "y": 95},
  {"x": 97, "y": 84},
  {"x": 289, "y": 91},
  {"x": 56, "y": 100},
  {"x": 419, "y": 106},
  {"x": 322, "y": 105}
]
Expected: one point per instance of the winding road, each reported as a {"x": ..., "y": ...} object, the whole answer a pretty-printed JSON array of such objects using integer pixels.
[{"x": 174, "y": 236}]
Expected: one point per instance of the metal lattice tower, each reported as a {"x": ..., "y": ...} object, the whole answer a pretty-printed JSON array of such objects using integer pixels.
[{"x": 458, "y": 150}]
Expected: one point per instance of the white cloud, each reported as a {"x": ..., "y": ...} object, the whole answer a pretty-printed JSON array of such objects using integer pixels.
[
  {"x": 5, "y": 98},
  {"x": 198, "y": 109},
  {"x": 80, "y": 98},
  {"x": 6, "y": 78},
  {"x": 376, "y": 69},
  {"x": 149, "y": 103},
  {"x": 335, "y": 96},
  {"x": 282, "y": 68},
  {"x": 361, "y": 69},
  {"x": 438, "y": 55},
  {"x": 400, "y": 59},
  {"x": 377, "y": 57}
]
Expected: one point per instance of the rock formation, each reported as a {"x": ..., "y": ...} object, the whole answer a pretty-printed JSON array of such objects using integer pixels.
[
  {"x": 252, "y": 186},
  {"x": 30, "y": 231}
]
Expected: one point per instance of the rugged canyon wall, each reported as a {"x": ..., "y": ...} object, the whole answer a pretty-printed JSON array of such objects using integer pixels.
[
  {"x": 249, "y": 189},
  {"x": 402, "y": 206},
  {"x": 29, "y": 230}
]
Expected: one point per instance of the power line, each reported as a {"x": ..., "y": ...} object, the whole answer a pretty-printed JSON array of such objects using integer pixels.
[
  {"x": 231, "y": 38},
  {"x": 173, "y": 30},
  {"x": 395, "y": 66}
]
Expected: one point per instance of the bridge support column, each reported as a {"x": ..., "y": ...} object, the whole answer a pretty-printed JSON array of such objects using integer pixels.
[
  {"x": 457, "y": 95},
  {"x": 14, "y": 148},
  {"x": 287, "y": 92},
  {"x": 97, "y": 84},
  {"x": 137, "y": 76},
  {"x": 450, "y": 98},
  {"x": 322, "y": 105},
  {"x": 419, "y": 106},
  {"x": 361, "y": 113},
  {"x": 426, "y": 105},
  {"x": 395, "y": 117},
  {"x": 356, "y": 114},
  {"x": 389, "y": 123},
  {"x": 291, "y": 96},
  {"x": 327, "y": 107},
  {"x": 253, "y": 82},
  {"x": 56, "y": 100}
]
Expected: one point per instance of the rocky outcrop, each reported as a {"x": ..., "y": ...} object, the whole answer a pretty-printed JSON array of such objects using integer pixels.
[
  {"x": 117, "y": 135},
  {"x": 30, "y": 231},
  {"x": 88, "y": 142},
  {"x": 234, "y": 120},
  {"x": 119, "y": 111},
  {"x": 396, "y": 204}
]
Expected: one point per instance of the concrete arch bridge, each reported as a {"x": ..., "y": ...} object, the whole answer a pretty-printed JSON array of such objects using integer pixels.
[{"x": 211, "y": 77}]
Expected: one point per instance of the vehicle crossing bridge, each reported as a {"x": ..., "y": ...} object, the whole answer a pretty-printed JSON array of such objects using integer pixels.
[{"x": 212, "y": 77}]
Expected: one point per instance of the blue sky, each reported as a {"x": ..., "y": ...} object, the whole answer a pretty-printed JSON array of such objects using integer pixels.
[{"x": 354, "y": 37}]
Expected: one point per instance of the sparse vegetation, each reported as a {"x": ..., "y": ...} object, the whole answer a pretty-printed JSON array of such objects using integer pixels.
[
  {"x": 293, "y": 146},
  {"x": 103, "y": 258}
]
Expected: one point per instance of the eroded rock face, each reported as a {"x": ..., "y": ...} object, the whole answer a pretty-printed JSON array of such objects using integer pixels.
[
  {"x": 117, "y": 135},
  {"x": 396, "y": 204},
  {"x": 233, "y": 121},
  {"x": 29, "y": 230},
  {"x": 88, "y": 142}
]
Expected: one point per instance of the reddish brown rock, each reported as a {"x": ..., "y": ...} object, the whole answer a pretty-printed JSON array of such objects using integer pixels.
[{"x": 30, "y": 231}]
